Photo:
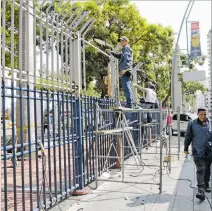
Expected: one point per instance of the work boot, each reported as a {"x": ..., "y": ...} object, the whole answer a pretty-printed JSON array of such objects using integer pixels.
[
  {"x": 207, "y": 188},
  {"x": 201, "y": 194}
]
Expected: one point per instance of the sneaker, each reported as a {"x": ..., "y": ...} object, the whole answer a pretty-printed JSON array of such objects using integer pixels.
[
  {"x": 207, "y": 189},
  {"x": 201, "y": 194}
]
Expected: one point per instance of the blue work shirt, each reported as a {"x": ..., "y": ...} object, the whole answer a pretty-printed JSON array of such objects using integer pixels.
[
  {"x": 200, "y": 137},
  {"x": 125, "y": 58}
]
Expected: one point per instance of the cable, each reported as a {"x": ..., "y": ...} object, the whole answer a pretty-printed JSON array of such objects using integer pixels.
[
  {"x": 43, "y": 156},
  {"x": 189, "y": 185}
]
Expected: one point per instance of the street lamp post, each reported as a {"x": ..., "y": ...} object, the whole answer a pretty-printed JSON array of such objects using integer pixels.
[
  {"x": 173, "y": 75},
  {"x": 188, "y": 63}
]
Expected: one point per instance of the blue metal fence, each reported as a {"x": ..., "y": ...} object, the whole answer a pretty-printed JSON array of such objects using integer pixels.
[
  {"x": 48, "y": 147},
  {"x": 34, "y": 178}
]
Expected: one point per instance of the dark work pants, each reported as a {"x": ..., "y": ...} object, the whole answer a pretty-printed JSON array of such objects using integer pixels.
[
  {"x": 203, "y": 171},
  {"x": 208, "y": 171},
  {"x": 126, "y": 87}
]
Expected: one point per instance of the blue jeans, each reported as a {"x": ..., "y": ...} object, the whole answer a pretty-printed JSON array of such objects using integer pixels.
[{"x": 126, "y": 87}]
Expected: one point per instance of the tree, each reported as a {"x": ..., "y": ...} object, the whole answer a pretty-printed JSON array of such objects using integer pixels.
[{"x": 112, "y": 21}]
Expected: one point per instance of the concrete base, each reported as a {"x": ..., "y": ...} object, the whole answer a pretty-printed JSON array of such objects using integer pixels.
[{"x": 82, "y": 192}]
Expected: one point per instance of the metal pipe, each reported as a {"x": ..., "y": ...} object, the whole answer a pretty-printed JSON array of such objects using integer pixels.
[
  {"x": 84, "y": 66},
  {"x": 72, "y": 15},
  {"x": 83, "y": 52},
  {"x": 178, "y": 131},
  {"x": 161, "y": 149},
  {"x": 188, "y": 55},
  {"x": 35, "y": 102},
  {"x": 76, "y": 24},
  {"x": 97, "y": 49},
  {"x": 3, "y": 37},
  {"x": 174, "y": 57},
  {"x": 87, "y": 25},
  {"x": 170, "y": 135}
]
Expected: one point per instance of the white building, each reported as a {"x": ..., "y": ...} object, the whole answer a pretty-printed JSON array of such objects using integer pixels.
[
  {"x": 208, "y": 99},
  {"x": 200, "y": 99}
]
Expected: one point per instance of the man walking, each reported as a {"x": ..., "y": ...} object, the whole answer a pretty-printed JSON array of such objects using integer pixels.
[
  {"x": 125, "y": 68},
  {"x": 199, "y": 135}
]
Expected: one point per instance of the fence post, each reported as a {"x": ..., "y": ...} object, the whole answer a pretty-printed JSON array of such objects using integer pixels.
[{"x": 79, "y": 149}]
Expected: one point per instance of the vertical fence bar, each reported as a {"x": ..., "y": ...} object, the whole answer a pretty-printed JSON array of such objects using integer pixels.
[
  {"x": 86, "y": 141},
  {"x": 22, "y": 63},
  {"x": 64, "y": 142},
  {"x": 96, "y": 114},
  {"x": 69, "y": 140},
  {"x": 54, "y": 146},
  {"x": 59, "y": 139},
  {"x": 47, "y": 104},
  {"x": 28, "y": 105},
  {"x": 73, "y": 138},
  {"x": 0, "y": 92},
  {"x": 80, "y": 147},
  {"x": 178, "y": 131},
  {"x": 89, "y": 139},
  {"x": 3, "y": 116},
  {"x": 43, "y": 143},
  {"x": 42, "y": 116},
  {"x": 35, "y": 103},
  {"x": 76, "y": 140},
  {"x": 49, "y": 146},
  {"x": 83, "y": 140},
  {"x": 161, "y": 149},
  {"x": 93, "y": 103}
]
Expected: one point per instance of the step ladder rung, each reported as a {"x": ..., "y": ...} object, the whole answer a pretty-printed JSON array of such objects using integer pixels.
[{"x": 113, "y": 131}]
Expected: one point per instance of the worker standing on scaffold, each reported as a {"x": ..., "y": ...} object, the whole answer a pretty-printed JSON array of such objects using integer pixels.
[
  {"x": 150, "y": 102},
  {"x": 125, "y": 68}
]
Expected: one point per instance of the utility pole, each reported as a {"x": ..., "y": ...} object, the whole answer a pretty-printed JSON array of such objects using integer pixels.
[
  {"x": 188, "y": 55},
  {"x": 174, "y": 61},
  {"x": 177, "y": 82}
]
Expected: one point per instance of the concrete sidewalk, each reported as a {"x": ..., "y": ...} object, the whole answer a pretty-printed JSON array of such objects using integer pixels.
[{"x": 114, "y": 196}]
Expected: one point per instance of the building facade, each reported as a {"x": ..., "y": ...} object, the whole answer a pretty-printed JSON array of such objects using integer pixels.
[{"x": 208, "y": 97}]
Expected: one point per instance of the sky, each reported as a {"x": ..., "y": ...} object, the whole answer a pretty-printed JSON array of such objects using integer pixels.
[{"x": 170, "y": 13}]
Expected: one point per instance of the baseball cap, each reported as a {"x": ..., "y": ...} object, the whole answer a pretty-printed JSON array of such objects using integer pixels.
[
  {"x": 124, "y": 38},
  {"x": 151, "y": 85}
]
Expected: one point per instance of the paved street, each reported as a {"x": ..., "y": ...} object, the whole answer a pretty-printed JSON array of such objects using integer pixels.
[{"x": 176, "y": 195}]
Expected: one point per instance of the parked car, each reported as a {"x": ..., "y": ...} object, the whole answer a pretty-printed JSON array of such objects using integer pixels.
[{"x": 185, "y": 118}]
